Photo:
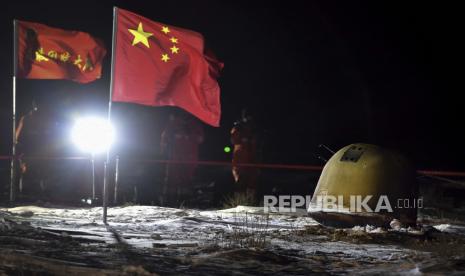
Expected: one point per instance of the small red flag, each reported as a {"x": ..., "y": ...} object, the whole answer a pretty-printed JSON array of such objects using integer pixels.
[
  {"x": 161, "y": 65},
  {"x": 50, "y": 53}
]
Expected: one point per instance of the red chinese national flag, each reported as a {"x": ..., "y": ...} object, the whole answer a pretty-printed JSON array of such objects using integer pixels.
[
  {"x": 161, "y": 65},
  {"x": 50, "y": 53}
]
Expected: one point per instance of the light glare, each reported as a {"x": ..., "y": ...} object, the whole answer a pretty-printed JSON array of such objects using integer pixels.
[{"x": 93, "y": 134}]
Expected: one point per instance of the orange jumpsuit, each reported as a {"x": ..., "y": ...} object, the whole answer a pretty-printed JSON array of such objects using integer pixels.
[{"x": 244, "y": 141}]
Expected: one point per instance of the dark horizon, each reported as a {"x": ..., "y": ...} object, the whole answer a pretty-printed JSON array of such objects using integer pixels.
[{"x": 331, "y": 73}]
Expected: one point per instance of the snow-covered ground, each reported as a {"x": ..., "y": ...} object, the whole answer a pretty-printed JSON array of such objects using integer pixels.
[
  {"x": 142, "y": 226},
  {"x": 275, "y": 243}
]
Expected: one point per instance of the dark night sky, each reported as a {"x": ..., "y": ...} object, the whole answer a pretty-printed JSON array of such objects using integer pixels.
[{"x": 332, "y": 72}]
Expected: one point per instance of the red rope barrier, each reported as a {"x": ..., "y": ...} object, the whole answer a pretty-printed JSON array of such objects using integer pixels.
[
  {"x": 230, "y": 164},
  {"x": 441, "y": 173},
  {"x": 6, "y": 157}
]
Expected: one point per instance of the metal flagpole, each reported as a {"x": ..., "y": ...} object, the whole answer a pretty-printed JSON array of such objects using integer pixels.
[
  {"x": 115, "y": 198},
  {"x": 92, "y": 163},
  {"x": 13, "y": 148},
  {"x": 106, "y": 165}
]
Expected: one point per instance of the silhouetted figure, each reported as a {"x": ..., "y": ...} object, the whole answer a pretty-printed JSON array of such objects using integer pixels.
[
  {"x": 244, "y": 139},
  {"x": 180, "y": 142},
  {"x": 40, "y": 139},
  {"x": 26, "y": 135}
]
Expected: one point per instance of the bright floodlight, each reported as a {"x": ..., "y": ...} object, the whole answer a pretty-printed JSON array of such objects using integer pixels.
[{"x": 93, "y": 134}]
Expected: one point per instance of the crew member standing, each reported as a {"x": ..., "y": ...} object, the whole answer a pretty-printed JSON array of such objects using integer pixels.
[
  {"x": 243, "y": 137},
  {"x": 27, "y": 135},
  {"x": 180, "y": 143}
]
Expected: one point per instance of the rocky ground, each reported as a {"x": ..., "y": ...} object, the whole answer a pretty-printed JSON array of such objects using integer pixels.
[{"x": 149, "y": 240}]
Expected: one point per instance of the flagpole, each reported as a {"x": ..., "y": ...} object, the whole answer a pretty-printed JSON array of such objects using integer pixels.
[
  {"x": 107, "y": 162},
  {"x": 13, "y": 147}
]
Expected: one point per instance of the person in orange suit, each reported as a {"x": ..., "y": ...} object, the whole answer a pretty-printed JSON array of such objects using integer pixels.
[{"x": 244, "y": 140}]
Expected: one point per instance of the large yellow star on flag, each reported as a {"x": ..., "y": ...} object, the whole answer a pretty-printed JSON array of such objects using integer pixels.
[{"x": 140, "y": 36}]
